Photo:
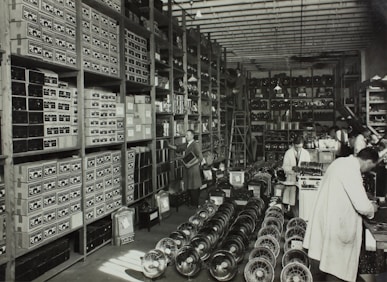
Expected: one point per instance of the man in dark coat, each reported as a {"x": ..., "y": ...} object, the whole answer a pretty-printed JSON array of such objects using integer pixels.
[{"x": 192, "y": 175}]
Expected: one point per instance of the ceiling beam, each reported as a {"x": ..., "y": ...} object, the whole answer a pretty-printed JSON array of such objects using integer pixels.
[
  {"x": 259, "y": 27},
  {"x": 362, "y": 17},
  {"x": 280, "y": 12},
  {"x": 214, "y": 6},
  {"x": 248, "y": 34}
]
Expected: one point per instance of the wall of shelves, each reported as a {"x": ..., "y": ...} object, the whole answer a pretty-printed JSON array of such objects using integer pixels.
[
  {"x": 375, "y": 113},
  {"x": 304, "y": 99},
  {"x": 114, "y": 90}
]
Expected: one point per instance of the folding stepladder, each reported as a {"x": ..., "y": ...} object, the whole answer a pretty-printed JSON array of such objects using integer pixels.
[{"x": 239, "y": 147}]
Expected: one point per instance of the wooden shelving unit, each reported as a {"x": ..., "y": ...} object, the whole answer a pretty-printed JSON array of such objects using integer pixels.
[{"x": 174, "y": 64}]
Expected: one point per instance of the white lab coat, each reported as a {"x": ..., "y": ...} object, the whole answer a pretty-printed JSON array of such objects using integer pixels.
[
  {"x": 289, "y": 161},
  {"x": 334, "y": 232},
  {"x": 359, "y": 144}
]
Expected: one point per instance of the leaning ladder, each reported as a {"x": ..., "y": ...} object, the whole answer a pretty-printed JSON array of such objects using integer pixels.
[{"x": 238, "y": 146}]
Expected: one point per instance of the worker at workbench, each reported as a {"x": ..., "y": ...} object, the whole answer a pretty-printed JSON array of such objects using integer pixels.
[
  {"x": 293, "y": 158},
  {"x": 334, "y": 232}
]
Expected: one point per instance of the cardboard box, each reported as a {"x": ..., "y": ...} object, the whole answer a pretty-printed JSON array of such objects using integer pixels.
[
  {"x": 29, "y": 30},
  {"x": 27, "y": 47},
  {"x": 75, "y": 206},
  {"x": 70, "y": 18},
  {"x": 50, "y": 143},
  {"x": 86, "y": 12},
  {"x": 89, "y": 202},
  {"x": 28, "y": 206},
  {"x": 26, "y": 240},
  {"x": 59, "y": 27},
  {"x": 23, "y": 12},
  {"x": 120, "y": 136},
  {"x": 76, "y": 220},
  {"x": 71, "y": 57},
  {"x": 63, "y": 181},
  {"x": 89, "y": 215},
  {"x": 75, "y": 178},
  {"x": 92, "y": 104},
  {"x": 70, "y": 4},
  {"x": 28, "y": 172},
  {"x": 28, "y": 190},
  {"x": 99, "y": 185},
  {"x": 49, "y": 169},
  {"x": 144, "y": 113},
  {"x": 147, "y": 131},
  {"x": 49, "y": 200},
  {"x": 50, "y": 231},
  {"x": 60, "y": 57},
  {"x": 142, "y": 99},
  {"x": 99, "y": 197},
  {"x": 129, "y": 101},
  {"x": 63, "y": 211},
  {"x": 64, "y": 225},
  {"x": 49, "y": 216},
  {"x": 49, "y": 184},
  {"x": 100, "y": 210},
  {"x": 28, "y": 223}
]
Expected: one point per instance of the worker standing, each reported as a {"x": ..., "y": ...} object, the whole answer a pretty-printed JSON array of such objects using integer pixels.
[
  {"x": 334, "y": 232},
  {"x": 192, "y": 177}
]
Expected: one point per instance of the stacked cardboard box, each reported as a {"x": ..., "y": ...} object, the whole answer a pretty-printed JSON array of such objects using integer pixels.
[
  {"x": 48, "y": 199},
  {"x": 100, "y": 45},
  {"x": 103, "y": 184},
  {"x": 44, "y": 111},
  {"x": 138, "y": 117},
  {"x": 103, "y": 117},
  {"x": 44, "y": 29},
  {"x": 136, "y": 58}
]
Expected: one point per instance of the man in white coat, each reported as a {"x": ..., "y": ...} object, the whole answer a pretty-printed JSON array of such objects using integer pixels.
[
  {"x": 334, "y": 232},
  {"x": 293, "y": 157}
]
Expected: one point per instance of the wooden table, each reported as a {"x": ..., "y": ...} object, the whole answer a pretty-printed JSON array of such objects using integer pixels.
[{"x": 380, "y": 236}]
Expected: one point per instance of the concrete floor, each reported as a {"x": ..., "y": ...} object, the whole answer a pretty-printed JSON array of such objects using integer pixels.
[{"x": 121, "y": 263}]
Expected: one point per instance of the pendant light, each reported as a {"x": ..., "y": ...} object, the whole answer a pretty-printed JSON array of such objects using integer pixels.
[
  {"x": 192, "y": 78},
  {"x": 278, "y": 88}
]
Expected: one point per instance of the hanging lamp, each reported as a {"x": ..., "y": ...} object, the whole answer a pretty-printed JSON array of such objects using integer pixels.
[{"x": 192, "y": 78}]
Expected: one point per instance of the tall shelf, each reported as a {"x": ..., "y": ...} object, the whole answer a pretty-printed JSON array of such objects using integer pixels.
[
  {"x": 305, "y": 98},
  {"x": 375, "y": 113},
  {"x": 112, "y": 94}
]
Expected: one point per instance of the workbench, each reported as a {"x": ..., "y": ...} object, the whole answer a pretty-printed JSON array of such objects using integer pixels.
[{"x": 378, "y": 230}]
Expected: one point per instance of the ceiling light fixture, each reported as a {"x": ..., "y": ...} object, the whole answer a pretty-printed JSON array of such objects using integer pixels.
[{"x": 192, "y": 78}]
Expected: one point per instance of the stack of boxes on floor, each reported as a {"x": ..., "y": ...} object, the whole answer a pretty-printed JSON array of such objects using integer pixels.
[
  {"x": 103, "y": 184},
  {"x": 138, "y": 117},
  {"x": 104, "y": 122},
  {"x": 48, "y": 200},
  {"x": 44, "y": 111},
  {"x": 100, "y": 42},
  {"x": 45, "y": 30}
]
